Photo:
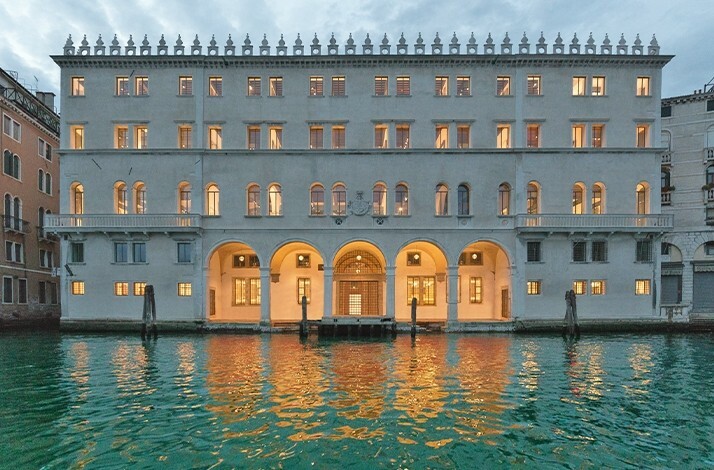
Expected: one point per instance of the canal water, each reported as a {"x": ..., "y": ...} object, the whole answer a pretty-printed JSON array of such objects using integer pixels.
[{"x": 442, "y": 401}]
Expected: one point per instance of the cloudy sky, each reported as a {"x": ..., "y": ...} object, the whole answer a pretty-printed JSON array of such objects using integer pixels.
[{"x": 35, "y": 29}]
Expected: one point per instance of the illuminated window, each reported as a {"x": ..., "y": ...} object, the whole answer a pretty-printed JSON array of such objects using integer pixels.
[
  {"x": 338, "y": 86},
  {"x": 579, "y": 85},
  {"x": 275, "y": 200},
  {"x": 303, "y": 289},
  {"x": 213, "y": 200},
  {"x": 316, "y": 137},
  {"x": 401, "y": 200},
  {"x": 317, "y": 200},
  {"x": 253, "y": 138},
  {"x": 253, "y": 200},
  {"x": 11, "y": 128},
  {"x": 77, "y": 287},
  {"x": 121, "y": 288},
  {"x": 184, "y": 289},
  {"x": 596, "y": 201},
  {"x": 503, "y": 86},
  {"x": 597, "y": 287},
  {"x": 122, "y": 86},
  {"x": 121, "y": 205},
  {"x": 77, "y": 87},
  {"x": 338, "y": 137},
  {"x": 121, "y": 137},
  {"x": 421, "y": 288},
  {"x": 504, "y": 199},
  {"x": 76, "y": 136},
  {"x": 141, "y": 86},
  {"x": 643, "y": 135},
  {"x": 381, "y": 136},
  {"x": 580, "y": 287},
  {"x": 598, "y": 86},
  {"x": 533, "y": 135},
  {"x": 441, "y": 86},
  {"x": 184, "y": 198},
  {"x": 184, "y": 134},
  {"x": 503, "y": 136},
  {"x": 533, "y": 252},
  {"x": 339, "y": 199},
  {"x": 139, "y": 288},
  {"x": 463, "y": 136},
  {"x": 643, "y": 86},
  {"x": 183, "y": 250},
  {"x": 139, "y": 198},
  {"x": 464, "y": 203},
  {"x": 215, "y": 86},
  {"x": 442, "y": 200},
  {"x": 402, "y": 136},
  {"x": 185, "y": 86},
  {"x": 472, "y": 258},
  {"x": 276, "y": 137},
  {"x": 316, "y": 86},
  {"x": 532, "y": 199},
  {"x": 379, "y": 199},
  {"x": 475, "y": 290},
  {"x": 578, "y": 135},
  {"x": 463, "y": 86},
  {"x": 381, "y": 86},
  {"x": 442, "y": 137},
  {"x": 215, "y": 137},
  {"x": 141, "y": 134},
  {"x": 642, "y": 287},
  {"x": 413, "y": 258},
  {"x": 404, "y": 86},
  {"x": 642, "y": 199},
  {"x": 534, "y": 85},
  {"x": 302, "y": 260},
  {"x": 578, "y": 197},
  {"x": 533, "y": 287},
  {"x": 254, "y": 297},
  {"x": 253, "y": 86},
  {"x": 598, "y": 135},
  {"x": 276, "y": 86},
  {"x": 579, "y": 251},
  {"x": 598, "y": 251},
  {"x": 77, "y": 199}
]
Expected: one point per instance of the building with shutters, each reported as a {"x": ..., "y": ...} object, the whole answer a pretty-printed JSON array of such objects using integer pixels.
[
  {"x": 483, "y": 180},
  {"x": 29, "y": 189},
  {"x": 687, "y": 191}
]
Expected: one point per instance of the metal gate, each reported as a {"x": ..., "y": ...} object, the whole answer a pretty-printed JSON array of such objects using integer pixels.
[
  {"x": 359, "y": 298},
  {"x": 671, "y": 289},
  {"x": 703, "y": 292}
]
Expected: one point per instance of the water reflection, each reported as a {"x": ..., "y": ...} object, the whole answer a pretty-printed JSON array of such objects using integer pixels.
[
  {"x": 640, "y": 359},
  {"x": 360, "y": 379}
]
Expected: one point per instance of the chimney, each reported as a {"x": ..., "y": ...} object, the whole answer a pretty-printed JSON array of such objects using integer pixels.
[{"x": 47, "y": 98}]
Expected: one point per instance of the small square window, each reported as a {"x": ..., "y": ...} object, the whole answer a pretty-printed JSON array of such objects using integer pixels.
[
  {"x": 441, "y": 86},
  {"x": 139, "y": 288},
  {"x": 474, "y": 258},
  {"x": 580, "y": 287},
  {"x": 185, "y": 86},
  {"x": 643, "y": 251},
  {"x": 381, "y": 86},
  {"x": 184, "y": 289},
  {"x": 503, "y": 86},
  {"x": 534, "y": 85},
  {"x": 141, "y": 86},
  {"x": 463, "y": 86},
  {"x": 316, "y": 86},
  {"x": 121, "y": 288},
  {"x": 579, "y": 85},
  {"x": 302, "y": 260},
  {"x": 534, "y": 253},
  {"x": 598, "y": 250},
  {"x": 215, "y": 86},
  {"x": 642, "y": 287},
  {"x": 77, "y": 287},
  {"x": 533, "y": 287},
  {"x": 579, "y": 251},
  {"x": 240, "y": 261},
  {"x": 253, "y": 86},
  {"x": 122, "y": 86},
  {"x": 338, "y": 86},
  {"x": 403, "y": 86},
  {"x": 597, "y": 287},
  {"x": 414, "y": 258},
  {"x": 77, "y": 86},
  {"x": 598, "y": 86}
]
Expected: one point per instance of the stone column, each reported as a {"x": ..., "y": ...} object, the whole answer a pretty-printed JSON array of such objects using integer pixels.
[
  {"x": 687, "y": 284},
  {"x": 391, "y": 312},
  {"x": 327, "y": 282},
  {"x": 452, "y": 313},
  {"x": 265, "y": 296}
]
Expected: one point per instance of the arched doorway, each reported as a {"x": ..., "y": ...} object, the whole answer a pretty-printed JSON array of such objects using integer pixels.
[
  {"x": 296, "y": 269},
  {"x": 484, "y": 283},
  {"x": 233, "y": 289},
  {"x": 359, "y": 278},
  {"x": 421, "y": 273}
]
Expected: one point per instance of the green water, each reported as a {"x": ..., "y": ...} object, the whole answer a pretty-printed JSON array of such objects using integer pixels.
[{"x": 447, "y": 401}]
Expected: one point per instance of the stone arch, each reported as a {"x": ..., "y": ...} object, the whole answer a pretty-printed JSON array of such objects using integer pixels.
[
  {"x": 485, "y": 282},
  {"x": 233, "y": 283},
  {"x": 359, "y": 275},
  {"x": 296, "y": 269},
  {"x": 421, "y": 273}
]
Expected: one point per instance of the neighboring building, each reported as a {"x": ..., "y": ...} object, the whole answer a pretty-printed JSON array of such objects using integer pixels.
[
  {"x": 483, "y": 182},
  {"x": 29, "y": 186},
  {"x": 688, "y": 193}
]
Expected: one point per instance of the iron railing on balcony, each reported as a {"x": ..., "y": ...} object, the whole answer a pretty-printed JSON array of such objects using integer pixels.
[
  {"x": 14, "y": 224},
  {"x": 709, "y": 195},
  {"x": 666, "y": 158},
  {"x": 666, "y": 198},
  {"x": 43, "y": 234},
  {"x": 133, "y": 222},
  {"x": 589, "y": 222},
  {"x": 709, "y": 154}
]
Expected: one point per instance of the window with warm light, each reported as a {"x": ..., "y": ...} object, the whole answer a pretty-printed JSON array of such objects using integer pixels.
[
  {"x": 184, "y": 135},
  {"x": 316, "y": 137},
  {"x": 475, "y": 290},
  {"x": 184, "y": 198},
  {"x": 77, "y": 287},
  {"x": 401, "y": 200},
  {"x": 215, "y": 86},
  {"x": 504, "y": 199},
  {"x": 121, "y": 288},
  {"x": 139, "y": 198},
  {"x": 577, "y": 203},
  {"x": 120, "y": 199},
  {"x": 503, "y": 86},
  {"x": 316, "y": 86},
  {"x": 442, "y": 136},
  {"x": 77, "y": 86},
  {"x": 534, "y": 85},
  {"x": 246, "y": 291},
  {"x": 381, "y": 86},
  {"x": 338, "y": 137},
  {"x": 185, "y": 86},
  {"x": 253, "y": 138},
  {"x": 253, "y": 86},
  {"x": 402, "y": 135},
  {"x": 503, "y": 136},
  {"x": 578, "y": 135},
  {"x": 643, "y": 135},
  {"x": 579, "y": 86},
  {"x": 122, "y": 86},
  {"x": 441, "y": 200},
  {"x": 76, "y": 135},
  {"x": 463, "y": 136},
  {"x": 379, "y": 199},
  {"x": 597, "y": 86},
  {"x": 121, "y": 137},
  {"x": 303, "y": 289},
  {"x": 213, "y": 200},
  {"x": 141, "y": 86},
  {"x": 184, "y": 289},
  {"x": 597, "y": 287},
  {"x": 532, "y": 199},
  {"x": 276, "y": 137},
  {"x": 253, "y": 200},
  {"x": 77, "y": 199},
  {"x": 381, "y": 135},
  {"x": 597, "y": 132},
  {"x": 421, "y": 288},
  {"x": 338, "y": 85},
  {"x": 643, "y": 86},
  {"x": 441, "y": 85},
  {"x": 642, "y": 287},
  {"x": 139, "y": 289},
  {"x": 215, "y": 137},
  {"x": 642, "y": 199},
  {"x": 317, "y": 200},
  {"x": 339, "y": 200},
  {"x": 275, "y": 200},
  {"x": 533, "y": 287},
  {"x": 463, "y": 86},
  {"x": 141, "y": 134},
  {"x": 533, "y": 135},
  {"x": 596, "y": 200},
  {"x": 472, "y": 258},
  {"x": 275, "y": 85},
  {"x": 580, "y": 287},
  {"x": 413, "y": 258},
  {"x": 404, "y": 86},
  {"x": 302, "y": 260}
]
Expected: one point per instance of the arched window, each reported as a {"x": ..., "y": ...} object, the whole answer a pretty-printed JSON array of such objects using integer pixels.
[
  {"x": 339, "y": 199},
  {"x": 253, "y": 200},
  {"x": 597, "y": 201},
  {"x": 464, "y": 200},
  {"x": 17, "y": 213},
  {"x": 77, "y": 199},
  {"x": 11, "y": 164},
  {"x": 666, "y": 140},
  {"x": 710, "y": 137},
  {"x": 379, "y": 199},
  {"x": 504, "y": 199},
  {"x": 184, "y": 198},
  {"x": 441, "y": 200},
  {"x": 40, "y": 217},
  {"x": 665, "y": 179},
  {"x": 212, "y": 200},
  {"x": 533, "y": 199},
  {"x": 401, "y": 199},
  {"x": 48, "y": 183},
  {"x": 7, "y": 213},
  {"x": 578, "y": 199},
  {"x": 317, "y": 200},
  {"x": 139, "y": 198},
  {"x": 41, "y": 180},
  {"x": 120, "y": 199},
  {"x": 642, "y": 198},
  {"x": 275, "y": 200},
  {"x": 710, "y": 174}
]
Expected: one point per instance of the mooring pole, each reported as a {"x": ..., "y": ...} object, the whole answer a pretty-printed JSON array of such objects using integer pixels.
[
  {"x": 303, "y": 322},
  {"x": 414, "y": 304}
]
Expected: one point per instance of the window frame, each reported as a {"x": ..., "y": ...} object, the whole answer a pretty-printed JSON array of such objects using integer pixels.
[
  {"x": 253, "y": 86},
  {"x": 215, "y": 86},
  {"x": 381, "y": 85},
  {"x": 76, "y": 87}
]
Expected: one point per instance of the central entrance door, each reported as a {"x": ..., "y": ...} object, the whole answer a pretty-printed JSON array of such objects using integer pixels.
[{"x": 360, "y": 278}]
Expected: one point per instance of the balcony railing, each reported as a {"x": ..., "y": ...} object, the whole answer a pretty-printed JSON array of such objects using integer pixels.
[
  {"x": 14, "y": 224},
  {"x": 709, "y": 154},
  {"x": 594, "y": 223},
  {"x": 709, "y": 195},
  {"x": 133, "y": 222},
  {"x": 666, "y": 158},
  {"x": 43, "y": 234},
  {"x": 666, "y": 198}
]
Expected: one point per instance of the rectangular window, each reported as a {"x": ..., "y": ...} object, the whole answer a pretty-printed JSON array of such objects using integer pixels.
[
  {"x": 42, "y": 292},
  {"x": 534, "y": 85},
  {"x": 122, "y": 137},
  {"x": 381, "y": 137},
  {"x": 643, "y": 86},
  {"x": 240, "y": 287},
  {"x": 303, "y": 289},
  {"x": 7, "y": 290},
  {"x": 77, "y": 87},
  {"x": 642, "y": 287},
  {"x": 421, "y": 288},
  {"x": 463, "y": 86},
  {"x": 14, "y": 252},
  {"x": 184, "y": 252},
  {"x": 404, "y": 86},
  {"x": 11, "y": 128},
  {"x": 139, "y": 252},
  {"x": 381, "y": 86},
  {"x": 215, "y": 86},
  {"x": 463, "y": 136},
  {"x": 76, "y": 254},
  {"x": 141, "y": 134},
  {"x": 316, "y": 86},
  {"x": 184, "y": 289},
  {"x": 475, "y": 290},
  {"x": 253, "y": 138},
  {"x": 121, "y": 252},
  {"x": 598, "y": 86},
  {"x": 302, "y": 260},
  {"x": 276, "y": 138},
  {"x": 580, "y": 287},
  {"x": 533, "y": 135},
  {"x": 578, "y": 135},
  {"x": 215, "y": 137},
  {"x": 597, "y": 287},
  {"x": 76, "y": 135},
  {"x": 666, "y": 111},
  {"x": 122, "y": 86},
  {"x": 254, "y": 298},
  {"x": 184, "y": 137},
  {"x": 22, "y": 291},
  {"x": 121, "y": 288},
  {"x": 533, "y": 287},
  {"x": 403, "y": 136},
  {"x": 139, "y": 288},
  {"x": 276, "y": 86},
  {"x": 597, "y": 132},
  {"x": 643, "y": 251},
  {"x": 141, "y": 86},
  {"x": 441, "y": 86},
  {"x": 643, "y": 135},
  {"x": 53, "y": 292},
  {"x": 316, "y": 137},
  {"x": 338, "y": 86},
  {"x": 579, "y": 84},
  {"x": 503, "y": 86},
  {"x": 598, "y": 251},
  {"x": 44, "y": 149},
  {"x": 185, "y": 86},
  {"x": 503, "y": 136},
  {"x": 77, "y": 287},
  {"x": 442, "y": 137},
  {"x": 253, "y": 86},
  {"x": 579, "y": 252},
  {"x": 533, "y": 249},
  {"x": 338, "y": 137}
]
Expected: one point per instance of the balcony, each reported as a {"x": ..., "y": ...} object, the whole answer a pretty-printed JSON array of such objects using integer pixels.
[
  {"x": 667, "y": 158},
  {"x": 14, "y": 224},
  {"x": 709, "y": 195},
  {"x": 666, "y": 198},
  {"x": 594, "y": 223},
  {"x": 59, "y": 223},
  {"x": 45, "y": 236},
  {"x": 708, "y": 154}
]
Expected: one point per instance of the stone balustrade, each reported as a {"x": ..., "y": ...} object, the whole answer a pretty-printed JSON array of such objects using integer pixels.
[
  {"x": 120, "y": 222},
  {"x": 594, "y": 223}
]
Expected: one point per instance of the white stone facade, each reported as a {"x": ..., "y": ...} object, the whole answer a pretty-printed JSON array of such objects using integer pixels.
[{"x": 513, "y": 175}]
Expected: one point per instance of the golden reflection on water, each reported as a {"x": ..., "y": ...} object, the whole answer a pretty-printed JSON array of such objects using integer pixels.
[
  {"x": 641, "y": 362},
  {"x": 530, "y": 372},
  {"x": 360, "y": 376},
  {"x": 130, "y": 369},
  {"x": 584, "y": 370},
  {"x": 80, "y": 369},
  {"x": 186, "y": 354}
]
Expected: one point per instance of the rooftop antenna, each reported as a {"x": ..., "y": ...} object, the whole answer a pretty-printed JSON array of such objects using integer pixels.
[{"x": 709, "y": 86}]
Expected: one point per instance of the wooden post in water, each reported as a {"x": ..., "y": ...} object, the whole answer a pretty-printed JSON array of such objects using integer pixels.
[
  {"x": 303, "y": 322},
  {"x": 148, "y": 326},
  {"x": 414, "y": 304}
]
